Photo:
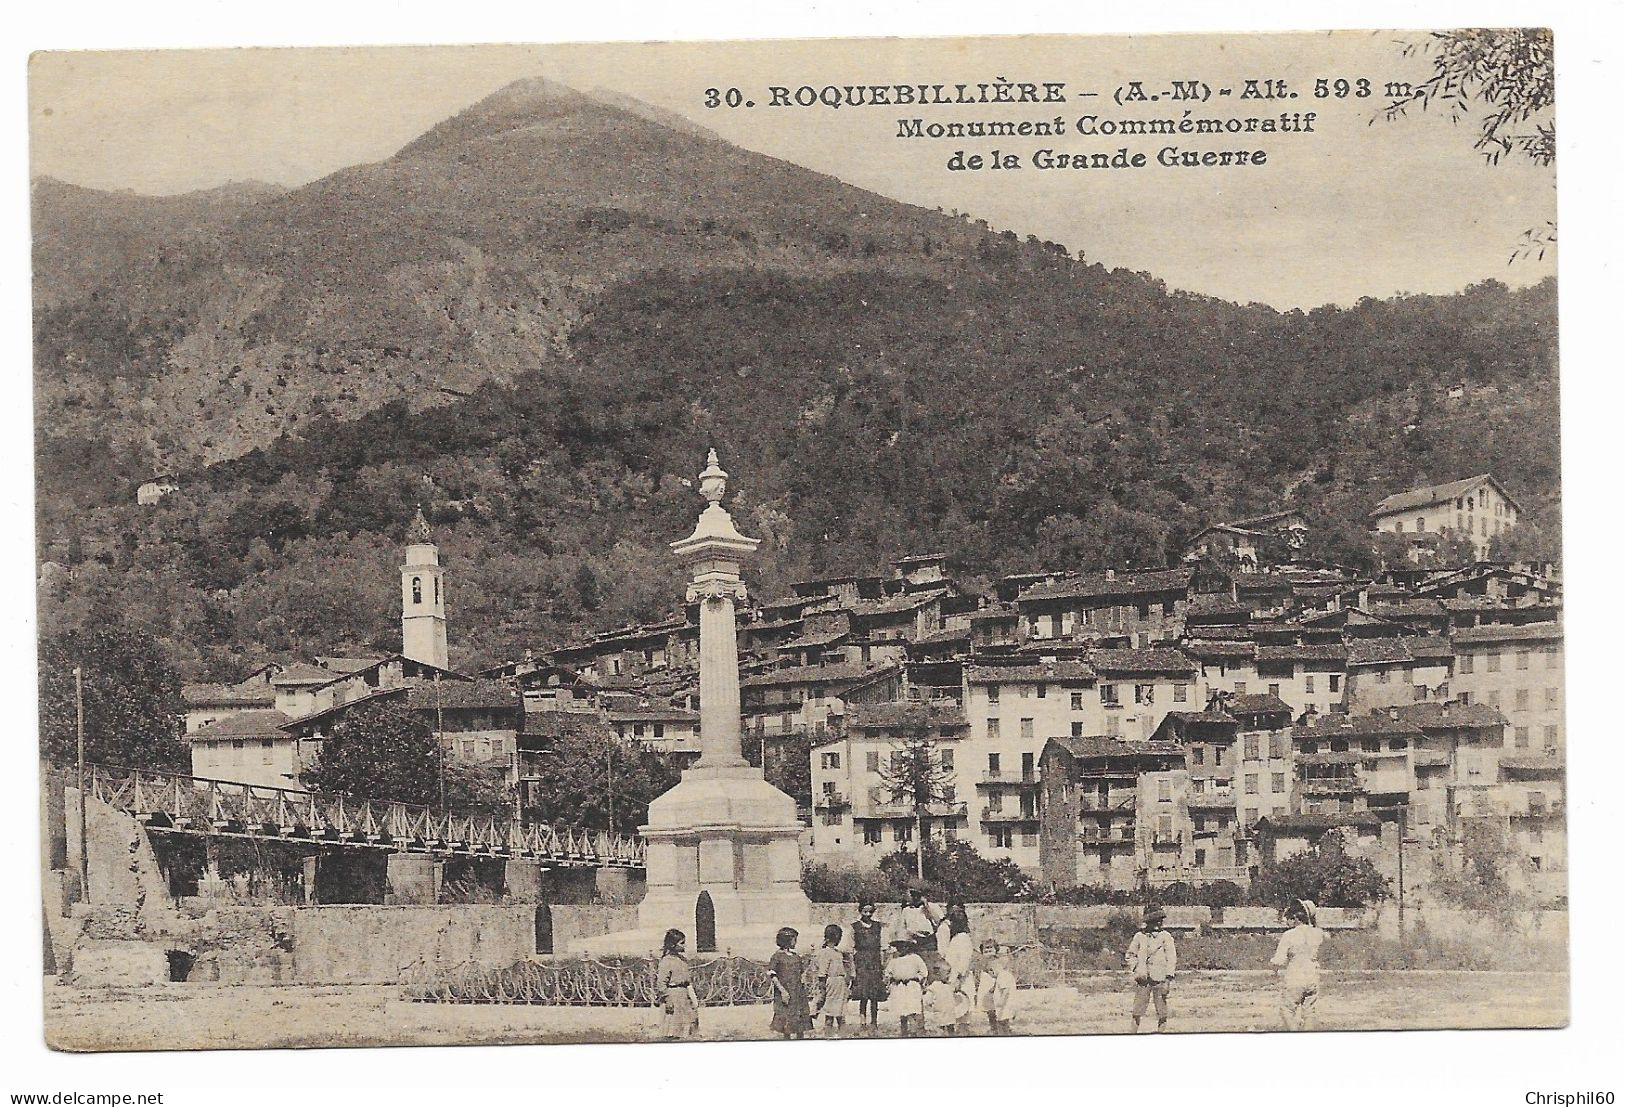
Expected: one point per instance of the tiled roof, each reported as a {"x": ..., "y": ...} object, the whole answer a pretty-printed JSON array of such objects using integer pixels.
[
  {"x": 300, "y": 673},
  {"x": 895, "y": 605},
  {"x": 452, "y": 695},
  {"x": 1125, "y": 583},
  {"x": 1259, "y": 703},
  {"x": 209, "y": 695},
  {"x": 1059, "y": 671},
  {"x": 1375, "y": 724},
  {"x": 1448, "y": 716},
  {"x": 812, "y": 674},
  {"x": 1551, "y": 764},
  {"x": 342, "y": 665},
  {"x": 862, "y": 716},
  {"x": 654, "y": 714},
  {"x": 809, "y": 641},
  {"x": 1378, "y": 651},
  {"x": 995, "y": 611},
  {"x": 1500, "y": 632},
  {"x": 944, "y": 635},
  {"x": 1433, "y": 494},
  {"x": 1209, "y": 801},
  {"x": 1426, "y": 648},
  {"x": 1107, "y": 746},
  {"x": 244, "y": 724},
  {"x": 1327, "y": 652},
  {"x": 1108, "y": 662},
  {"x": 1209, "y": 649}
]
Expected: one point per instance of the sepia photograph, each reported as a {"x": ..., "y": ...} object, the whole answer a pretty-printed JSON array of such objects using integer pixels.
[{"x": 798, "y": 539}]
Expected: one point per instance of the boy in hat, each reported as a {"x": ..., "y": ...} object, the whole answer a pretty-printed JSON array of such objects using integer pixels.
[{"x": 1151, "y": 960}]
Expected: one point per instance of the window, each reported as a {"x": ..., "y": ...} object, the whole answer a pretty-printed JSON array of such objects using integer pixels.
[
  {"x": 992, "y": 693},
  {"x": 1179, "y": 693},
  {"x": 1551, "y": 657},
  {"x": 1077, "y": 701},
  {"x": 902, "y": 832},
  {"x": 1000, "y": 837},
  {"x": 1043, "y": 691},
  {"x": 995, "y": 801},
  {"x": 1420, "y": 692},
  {"x": 1249, "y": 815},
  {"x": 1024, "y": 691},
  {"x": 871, "y": 834},
  {"x": 993, "y": 728},
  {"x": 1493, "y": 662},
  {"x": 437, "y": 590},
  {"x": 1493, "y": 698},
  {"x": 265, "y": 751},
  {"x": 1465, "y": 663},
  {"x": 1309, "y": 684},
  {"x": 1029, "y": 838},
  {"x": 947, "y": 761},
  {"x": 1521, "y": 699},
  {"x": 1251, "y": 780},
  {"x": 1026, "y": 728},
  {"x": 1201, "y": 854},
  {"x": 829, "y": 761},
  {"x": 1197, "y": 754},
  {"x": 1077, "y": 730},
  {"x": 1399, "y": 526},
  {"x": 1523, "y": 659},
  {"x": 1241, "y": 688},
  {"x": 993, "y": 764},
  {"x": 1520, "y": 737},
  {"x": 237, "y": 747},
  {"x": 1382, "y": 676},
  {"x": 1396, "y": 744},
  {"x": 1549, "y": 737},
  {"x": 1165, "y": 791},
  {"x": 417, "y": 590},
  {"x": 1165, "y": 826},
  {"x": 1278, "y": 745},
  {"x": 1027, "y": 765},
  {"x": 1552, "y": 698},
  {"x": 1108, "y": 694},
  {"x": 1275, "y": 690},
  {"x": 660, "y": 731},
  {"x": 1277, "y": 782},
  {"x": 871, "y": 761},
  {"x": 1251, "y": 742},
  {"x": 1218, "y": 755},
  {"x": 1334, "y": 682},
  {"x": 1421, "y": 523},
  {"x": 637, "y": 730}
]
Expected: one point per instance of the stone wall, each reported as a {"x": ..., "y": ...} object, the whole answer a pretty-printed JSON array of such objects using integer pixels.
[{"x": 382, "y": 945}]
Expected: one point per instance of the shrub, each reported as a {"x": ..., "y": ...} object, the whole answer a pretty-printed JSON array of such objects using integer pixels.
[
  {"x": 1326, "y": 874},
  {"x": 956, "y": 870}
]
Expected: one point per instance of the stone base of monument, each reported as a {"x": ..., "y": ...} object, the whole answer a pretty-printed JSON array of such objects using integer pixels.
[{"x": 724, "y": 858}]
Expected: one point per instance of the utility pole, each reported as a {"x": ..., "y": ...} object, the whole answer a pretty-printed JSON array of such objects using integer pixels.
[
  {"x": 1403, "y": 810},
  {"x": 609, "y": 772},
  {"x": 79, "y": 729}
]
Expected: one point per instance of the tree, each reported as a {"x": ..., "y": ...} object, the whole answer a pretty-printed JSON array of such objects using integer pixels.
[
  {"x": 1326, "y": 874},
  {"x": 594, "y": 779},
  {"x": 954, "y": 869},
  {"x": 132, "y": 698},
  {"x": 914, "y": 776},
  {"x": 380, "y": 751},
  {"x": 1528, "y": 541},
  {"x": 1509, "y": 73},
  {"x": 1485, "y": 884}
]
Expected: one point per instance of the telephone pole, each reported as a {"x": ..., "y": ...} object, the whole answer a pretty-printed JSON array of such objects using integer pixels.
[{"x": 79, "y": 730}]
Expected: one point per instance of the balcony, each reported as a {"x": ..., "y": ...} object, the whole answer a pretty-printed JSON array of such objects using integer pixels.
[
  {"x": 1094, "y": 835},
  {"x": 888, "y": 810},
  {"x": 1329, "y": 786},
  {"x": 830, "y": 801},
  {"x": 1008, "y": 815},
  {"x": 1092, "y": 801},
  {"x": 991, "y": 777}
]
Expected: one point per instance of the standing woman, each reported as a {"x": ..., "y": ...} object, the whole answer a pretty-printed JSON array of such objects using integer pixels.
[
  {"x": 1298, "y": 956},
  {"x": 674, "y": 987},
  {"x": 961, "y": 956},
  {"x": 869, "y": 967},
  {"x": 791, "y": 1016}
]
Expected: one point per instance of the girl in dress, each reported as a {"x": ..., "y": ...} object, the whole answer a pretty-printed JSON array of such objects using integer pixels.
[
  {"x": 674, "y": 989},
  {"x": 960, "y": 954},
  {"x": 907, "y": 973},
  {"x": 834, "y": 981},
  {"x": 869, "y": 967},
  {"x": 791, "y": 1018},
  {"x": 1298, "y": 956}
]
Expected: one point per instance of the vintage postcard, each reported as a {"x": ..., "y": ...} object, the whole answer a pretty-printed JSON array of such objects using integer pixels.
[{"x": 818, "y": 539}]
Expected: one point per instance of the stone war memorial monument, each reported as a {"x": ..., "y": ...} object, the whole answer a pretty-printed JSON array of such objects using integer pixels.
[{"x": 723, "y": 835}]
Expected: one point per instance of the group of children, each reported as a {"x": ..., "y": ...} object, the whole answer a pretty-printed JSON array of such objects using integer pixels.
[
  {"x": 941, "y": 996},
  {"x": 936, "y": 997}
]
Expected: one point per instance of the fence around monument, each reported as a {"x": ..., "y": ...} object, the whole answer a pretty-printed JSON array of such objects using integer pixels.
[{"x": 177, "y": 803}]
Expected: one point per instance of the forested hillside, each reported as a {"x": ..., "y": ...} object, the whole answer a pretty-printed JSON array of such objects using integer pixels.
[{"x": 535, "y": 318}]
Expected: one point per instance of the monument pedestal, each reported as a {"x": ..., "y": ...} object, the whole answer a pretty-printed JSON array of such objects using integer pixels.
[{"x": 726, "y": 832}]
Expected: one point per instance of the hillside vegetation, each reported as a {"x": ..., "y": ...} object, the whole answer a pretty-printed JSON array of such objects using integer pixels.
[{"x": 535, "y": 318}]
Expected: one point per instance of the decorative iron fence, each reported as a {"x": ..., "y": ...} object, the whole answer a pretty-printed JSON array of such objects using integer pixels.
[
  {"x": 630, "y": 981},
  {"x": 174, "y": 801}
]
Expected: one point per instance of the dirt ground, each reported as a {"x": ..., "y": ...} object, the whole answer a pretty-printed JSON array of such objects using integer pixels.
[{"x": 194, "y": 1016}]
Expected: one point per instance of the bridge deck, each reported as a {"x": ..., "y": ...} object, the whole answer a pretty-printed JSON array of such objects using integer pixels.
[{"x": 176, "y": 803}]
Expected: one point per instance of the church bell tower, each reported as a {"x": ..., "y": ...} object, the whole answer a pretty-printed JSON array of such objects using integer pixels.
[{"x": 423, "y": 597}]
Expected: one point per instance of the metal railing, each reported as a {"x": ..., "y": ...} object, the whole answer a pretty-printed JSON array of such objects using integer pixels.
[
  {"x": 1008, "y": 815},
  {"x": 185, "y": 804}
]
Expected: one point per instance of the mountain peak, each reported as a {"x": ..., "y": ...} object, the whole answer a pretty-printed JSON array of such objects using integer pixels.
[{"x": 523, "y": 103}]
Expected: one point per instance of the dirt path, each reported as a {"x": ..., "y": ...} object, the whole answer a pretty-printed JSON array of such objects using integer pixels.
[{"x": 190, "y": 1016}]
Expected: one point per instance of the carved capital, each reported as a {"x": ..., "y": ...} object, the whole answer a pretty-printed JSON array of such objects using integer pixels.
[{"x": 715, "y": 590}]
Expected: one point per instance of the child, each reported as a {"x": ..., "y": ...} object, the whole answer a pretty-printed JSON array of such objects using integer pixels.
[
  {"x": 791, "y": 1019},
  {"x": 1298, "y": 956},
  {"x": 674, "y": 987},
  {"x": 1151, "y": 959},
  {"x": 906, "y": 973},
  {"x": 940, "y": 1016},
  {"x": 834, "y": 981},
  {"x": 996, "y": 989}
]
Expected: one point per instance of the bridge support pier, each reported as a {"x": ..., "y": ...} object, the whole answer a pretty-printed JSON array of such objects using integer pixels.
[
  {"x": 522, "y": 880},
  {"x": 413, "y": 878}
]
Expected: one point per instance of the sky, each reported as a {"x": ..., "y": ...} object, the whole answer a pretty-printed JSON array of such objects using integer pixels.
[{"x": 1362, "y": 207}]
